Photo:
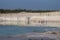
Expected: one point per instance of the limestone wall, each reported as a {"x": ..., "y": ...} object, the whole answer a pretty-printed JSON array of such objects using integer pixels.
[
  {"x": 13, "y": 20},
  {"x": 32, "y": 19},
  {"x": 45, "y": 20}
]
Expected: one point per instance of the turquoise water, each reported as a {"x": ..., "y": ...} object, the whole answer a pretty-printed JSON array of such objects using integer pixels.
[{"x": 13, "y": 30}]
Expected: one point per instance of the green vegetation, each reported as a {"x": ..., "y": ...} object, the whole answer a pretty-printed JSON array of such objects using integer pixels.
[{"x": 22, "y": 10}]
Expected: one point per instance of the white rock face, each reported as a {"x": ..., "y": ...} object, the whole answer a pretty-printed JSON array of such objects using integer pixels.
[{"x": 31, "y": 19}]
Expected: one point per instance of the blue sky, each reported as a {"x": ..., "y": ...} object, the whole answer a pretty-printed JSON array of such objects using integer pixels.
[{"x": 30, "y": 4}]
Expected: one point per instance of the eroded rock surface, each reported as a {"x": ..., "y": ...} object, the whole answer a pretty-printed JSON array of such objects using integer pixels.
[{"x": 34, "y": 36}]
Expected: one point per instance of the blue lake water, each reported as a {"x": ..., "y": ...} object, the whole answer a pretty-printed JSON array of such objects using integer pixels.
[{"x": 13, "y": 30}]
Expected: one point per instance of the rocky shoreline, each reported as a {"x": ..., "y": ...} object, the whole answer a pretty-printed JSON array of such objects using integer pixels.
[{"x": 34, "y": 36}]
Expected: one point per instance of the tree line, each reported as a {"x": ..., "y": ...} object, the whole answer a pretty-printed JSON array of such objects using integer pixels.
[{"x": 22, "y": 10}]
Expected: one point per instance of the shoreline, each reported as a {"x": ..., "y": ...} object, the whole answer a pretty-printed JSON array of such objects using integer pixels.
[
  {"x": 31, "y": 26},
  {"x": 49, "y": 35}
]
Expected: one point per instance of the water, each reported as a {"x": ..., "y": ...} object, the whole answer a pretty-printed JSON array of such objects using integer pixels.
[{"x": 13, "y": 30}]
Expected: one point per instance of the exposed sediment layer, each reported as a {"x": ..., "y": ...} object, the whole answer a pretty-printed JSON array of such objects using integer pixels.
[{"x": 31, "y": 19}]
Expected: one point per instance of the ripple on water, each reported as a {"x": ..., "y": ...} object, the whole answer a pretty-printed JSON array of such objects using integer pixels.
[{"x": 13, "y": 30}]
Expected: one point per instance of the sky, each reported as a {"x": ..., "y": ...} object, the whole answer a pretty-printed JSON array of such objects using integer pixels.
[{"x": 30, "y": 4}]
